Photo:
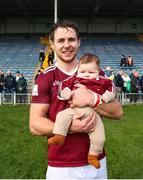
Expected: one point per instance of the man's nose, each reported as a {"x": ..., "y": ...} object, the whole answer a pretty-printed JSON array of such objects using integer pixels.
[{"x": 66, "y": 44}]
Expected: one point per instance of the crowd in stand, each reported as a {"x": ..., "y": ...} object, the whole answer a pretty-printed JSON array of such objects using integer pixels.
[
  {"x": 10, "y": 84},
  {"x": 126, "y": 62}
]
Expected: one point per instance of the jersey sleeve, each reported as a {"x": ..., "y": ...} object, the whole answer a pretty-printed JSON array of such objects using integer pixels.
[
  {"x": 41, "y": 90},
  {"x": 109, "y": 94},
  {"x": 110, "y": 86}
]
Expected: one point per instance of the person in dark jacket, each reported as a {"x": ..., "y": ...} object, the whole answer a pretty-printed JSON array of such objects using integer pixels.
[
  {"x": 119, "y": 81},
  {"x": 123, "y": 61},
  {"x": 1, "y": 81},
  {"x": 41, "y": 57},
  {"x": 50, "y": 57},
  {"x": 134, "y": 86},
  {"x": 9, "y": 83},
  {"x": 141, "y": 85},
  {"x": 21, "y": 89}
]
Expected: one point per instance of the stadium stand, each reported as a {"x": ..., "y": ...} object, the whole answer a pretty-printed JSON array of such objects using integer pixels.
[
  {"x": 19, "y": 54},
  {"x": 110, "y": 50}
]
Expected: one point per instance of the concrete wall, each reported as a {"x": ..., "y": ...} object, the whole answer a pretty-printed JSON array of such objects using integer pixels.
[{"x": 99, "y": 25}]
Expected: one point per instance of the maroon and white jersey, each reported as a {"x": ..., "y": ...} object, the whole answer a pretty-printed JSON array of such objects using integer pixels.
[{"x": 75, "y": 149}]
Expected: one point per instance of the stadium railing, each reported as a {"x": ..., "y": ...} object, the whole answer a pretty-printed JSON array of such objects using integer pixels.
[{"x": 16, "y": 99}]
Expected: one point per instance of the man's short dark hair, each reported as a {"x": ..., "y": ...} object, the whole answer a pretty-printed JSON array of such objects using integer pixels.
[{"x": 63, "y": 24}]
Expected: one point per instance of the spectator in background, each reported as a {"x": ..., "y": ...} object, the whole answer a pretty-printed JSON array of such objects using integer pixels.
[
  {"x": 17, "y": 75},
  {"x": 50, "y": 57},
  {"x": 141, "y": 83},
  {"x": 16, "y": 78},
  {"x": 130, "y": 62},
  {"x": 10, "y": 83},
  {"x": 123, "y": 61},
  {"x": 21, "y": 88},
  {"x": 41, "y": 57},
  {"x": 119, "y": 81},
  {"x": 134, "y": 86},
  {"x": 126, "y": 83},
  {"x": 1, "y": 81},
  {"x": 109, "y": 73},
  {"x": 38, "y": 73}
]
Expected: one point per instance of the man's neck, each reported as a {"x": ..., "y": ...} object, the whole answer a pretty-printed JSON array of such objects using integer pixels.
[{"x": 68, "y": 67}]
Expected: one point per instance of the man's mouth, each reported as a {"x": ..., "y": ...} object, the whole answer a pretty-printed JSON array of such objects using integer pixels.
[{"x": 67, "y": 52}]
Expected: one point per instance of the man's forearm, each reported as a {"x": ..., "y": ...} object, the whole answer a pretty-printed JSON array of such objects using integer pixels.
[
  {"x": 41, "y": 127},
  {"x": 111, "y": 110}
]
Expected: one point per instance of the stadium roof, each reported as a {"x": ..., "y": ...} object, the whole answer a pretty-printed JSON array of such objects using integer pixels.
[{"x": 72, "y": 8}]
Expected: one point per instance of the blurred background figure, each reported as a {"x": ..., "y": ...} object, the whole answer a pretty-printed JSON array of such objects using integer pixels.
[
  {"x": 126, "y": 83},
  {"x": 130, "y": 62},
  {"x": 21, "y": 89},
  {"x": 134, "y": 86},
  {"x": 123, "y": 61},
  {"x": 50, "y": 57},
  {"x": 1, "y": 81},
  {"x": 41, "y": 57},
  {"x": 119, "y": 81},
  {"x": 38, "y": 73},
  {"x": 10, "y": 82},
  {"x": 16, "y": 79},
  {"x": 109, "y": 73}
]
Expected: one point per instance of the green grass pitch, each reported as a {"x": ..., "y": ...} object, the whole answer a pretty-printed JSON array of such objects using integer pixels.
[{"x": 23, "y": 156}]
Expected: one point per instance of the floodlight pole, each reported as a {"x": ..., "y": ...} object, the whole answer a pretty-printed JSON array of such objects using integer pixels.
[{"x": 55, "y": 11}]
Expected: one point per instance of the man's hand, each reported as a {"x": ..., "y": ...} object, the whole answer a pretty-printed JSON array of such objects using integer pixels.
[
  {"x": 83, "y": 126},
  {"x": 81, "y": 97}
]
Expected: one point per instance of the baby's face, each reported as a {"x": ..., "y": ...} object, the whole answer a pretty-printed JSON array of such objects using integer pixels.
[{"x": 88, "y": 70}]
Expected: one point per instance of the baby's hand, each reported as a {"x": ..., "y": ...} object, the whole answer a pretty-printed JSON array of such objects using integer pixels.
[
  {"x": 66, "y": 93},
  {"x": 108, "y": 96}
]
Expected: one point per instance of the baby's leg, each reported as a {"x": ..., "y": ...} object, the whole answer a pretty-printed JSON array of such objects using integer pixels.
[
  {"x": 61, "y": 126},
  {"x": 97, "y": 139}
]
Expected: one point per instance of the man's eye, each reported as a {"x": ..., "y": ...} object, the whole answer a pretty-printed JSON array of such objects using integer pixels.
[
  {"x": 61, "y": 40},
  {"x": 72, "y": 39}
]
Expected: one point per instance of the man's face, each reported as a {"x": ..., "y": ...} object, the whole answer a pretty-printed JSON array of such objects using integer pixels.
[{"x": 65, "y": 44}]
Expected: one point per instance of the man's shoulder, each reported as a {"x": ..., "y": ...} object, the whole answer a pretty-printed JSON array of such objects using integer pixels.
[
  {"x": 50, "y": 69},
  {"x": 48, "y": 73}
]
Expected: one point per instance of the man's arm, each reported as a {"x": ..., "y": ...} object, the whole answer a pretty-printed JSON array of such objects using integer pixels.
[
  {"x": 112, "y": 109},
  {"x": 39, "y": 124}
]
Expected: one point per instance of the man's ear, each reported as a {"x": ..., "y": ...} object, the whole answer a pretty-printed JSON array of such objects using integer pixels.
[{"x": 51, "y": 44}]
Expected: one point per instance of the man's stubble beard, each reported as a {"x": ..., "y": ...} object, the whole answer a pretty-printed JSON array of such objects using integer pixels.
[{"x": 67, "y": 61}]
